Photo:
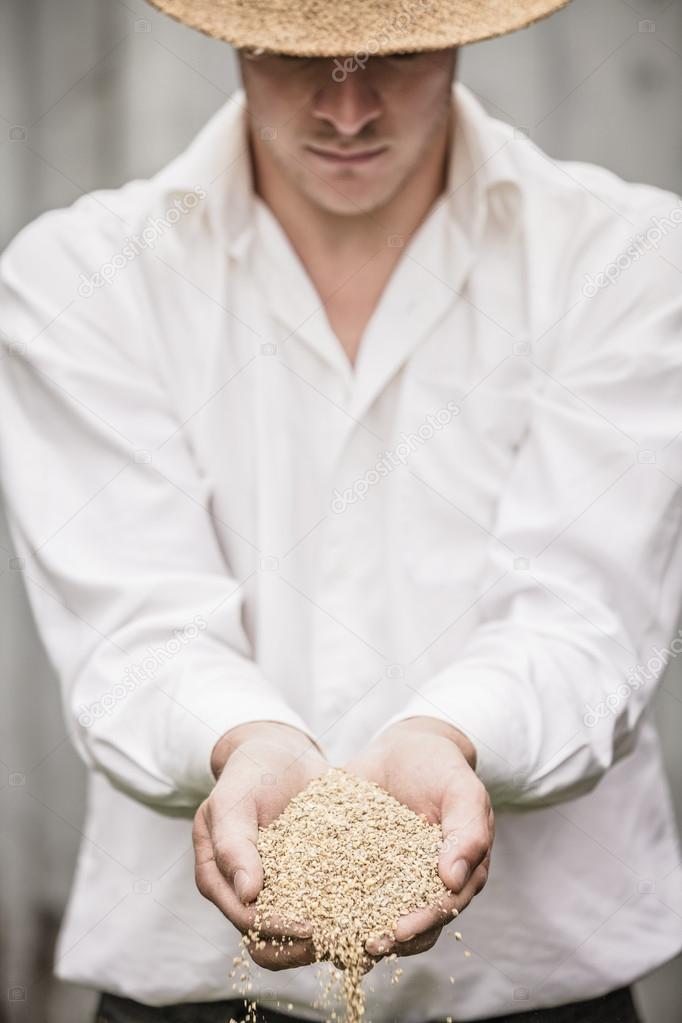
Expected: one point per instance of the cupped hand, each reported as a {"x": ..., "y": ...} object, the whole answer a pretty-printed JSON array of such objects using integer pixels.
[
  {"x": 430, "y": 766},
  {"x": 259, "y": 767}
]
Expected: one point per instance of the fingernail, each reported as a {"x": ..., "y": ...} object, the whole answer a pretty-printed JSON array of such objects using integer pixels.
[
  {"x": 408, "y": 937},
  {"x": 241, "y": 880},
  {"x": 459, "y": 874}
]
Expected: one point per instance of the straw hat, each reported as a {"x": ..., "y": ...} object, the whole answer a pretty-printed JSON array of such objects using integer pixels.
[{"x": 328, "y": 28}]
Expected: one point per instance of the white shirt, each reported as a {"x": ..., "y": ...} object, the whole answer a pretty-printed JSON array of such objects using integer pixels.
[{"x": 221, "y": 521}]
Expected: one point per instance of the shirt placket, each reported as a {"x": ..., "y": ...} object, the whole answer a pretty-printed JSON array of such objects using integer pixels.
[
  {"x": 422, "y": 293},
  {"x": 344, "y": 664}
]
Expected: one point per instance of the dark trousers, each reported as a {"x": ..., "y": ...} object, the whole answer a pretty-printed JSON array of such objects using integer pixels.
[{"x": 616, "y": 1007}]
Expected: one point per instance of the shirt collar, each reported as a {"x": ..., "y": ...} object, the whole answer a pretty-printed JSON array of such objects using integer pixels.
[
  {"x": 218, "y": 160},
  {"x": 481, "y": 164}
]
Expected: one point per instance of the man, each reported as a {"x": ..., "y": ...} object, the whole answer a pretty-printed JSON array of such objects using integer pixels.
[{"x": 352, "y": 437}]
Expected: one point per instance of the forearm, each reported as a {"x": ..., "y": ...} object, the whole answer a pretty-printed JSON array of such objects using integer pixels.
[{"x": 520, "y": 697}]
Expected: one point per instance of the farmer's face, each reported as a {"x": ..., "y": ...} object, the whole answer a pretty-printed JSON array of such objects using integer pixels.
[{"x": 347, "y": 134}]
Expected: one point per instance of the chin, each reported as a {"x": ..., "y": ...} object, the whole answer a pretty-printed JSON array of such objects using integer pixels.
[{"x": 355, "y": 201}]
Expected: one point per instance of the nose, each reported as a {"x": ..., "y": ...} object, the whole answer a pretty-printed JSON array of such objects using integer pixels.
[{"x": 350, "y": 104}]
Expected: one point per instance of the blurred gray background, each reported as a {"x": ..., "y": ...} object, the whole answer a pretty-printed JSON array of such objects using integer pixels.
[{"x": 95, "y": 92}]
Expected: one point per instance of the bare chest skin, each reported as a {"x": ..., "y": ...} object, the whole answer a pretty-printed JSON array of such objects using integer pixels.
[{"x": 350, "y": 296}]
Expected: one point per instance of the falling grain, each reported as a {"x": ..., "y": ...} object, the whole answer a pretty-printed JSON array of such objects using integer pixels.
[{"x": 349, "y": 859}]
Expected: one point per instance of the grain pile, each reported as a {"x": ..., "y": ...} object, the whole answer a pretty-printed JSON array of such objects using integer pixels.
[{"x": 349, "y": 859}]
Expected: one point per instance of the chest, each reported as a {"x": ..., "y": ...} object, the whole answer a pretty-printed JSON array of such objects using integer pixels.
[
  {"x": 348, "y": 314},
  {"x": 280, "y": 432},
  {"x": 280, "y": 420},
  {"x": 352, "y": 294}
]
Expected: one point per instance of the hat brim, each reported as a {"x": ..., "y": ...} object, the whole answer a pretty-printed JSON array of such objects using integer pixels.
[{"x": 309, "y": 28}]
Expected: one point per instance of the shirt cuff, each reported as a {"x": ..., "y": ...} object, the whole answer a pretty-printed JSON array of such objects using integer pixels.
[
  {"x": 158, "y": 747},
  {"x": 481, "y": 704},
  {"x": 216, "y": 710}
]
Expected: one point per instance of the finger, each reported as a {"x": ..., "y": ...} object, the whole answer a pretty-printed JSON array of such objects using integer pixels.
[
  {"x": 413, "y": 924},
  {"x": 274, "y": 925},
  {"x": 209, "y": 880},
  {"x": 226, "y": 830},
  {"x": 215, "y": 887},
  {"x": 475, "y": 884},
  {"x": 378, "y": 947},
  {"x": 288, "y": 955},
  {"x": 282, "y": 955},
  {"x": 234, "y": 837},
  {"x": 468, "y": 831},
  {"x": 422, "y": 943}
]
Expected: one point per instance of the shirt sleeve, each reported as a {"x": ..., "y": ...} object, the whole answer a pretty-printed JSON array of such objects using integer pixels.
[
  {"x": 111, "y": 521},
  {"x": 581, "y": 593}
]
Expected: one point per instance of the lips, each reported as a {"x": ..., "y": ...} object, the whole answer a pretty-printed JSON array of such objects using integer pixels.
[{"x": 346, "y": 156}]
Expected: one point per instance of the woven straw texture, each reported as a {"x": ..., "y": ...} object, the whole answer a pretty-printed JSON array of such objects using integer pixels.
[{"x": 328, "y": 28}]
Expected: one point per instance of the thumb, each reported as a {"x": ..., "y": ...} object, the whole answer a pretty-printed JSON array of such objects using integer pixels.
[
  {"x": 467, "y": 832},
  {"x": 234, "y": 835}
]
